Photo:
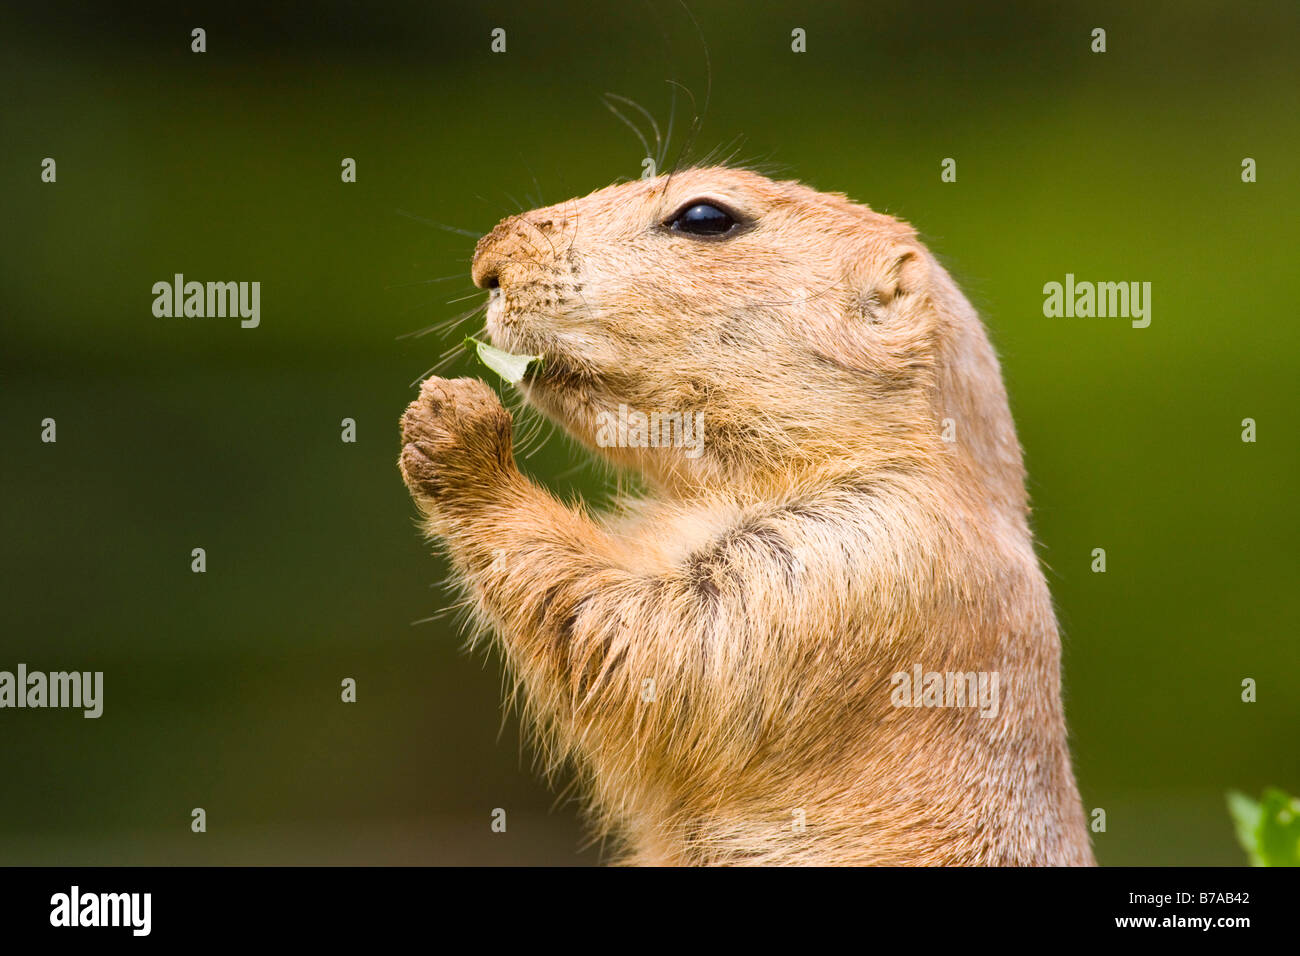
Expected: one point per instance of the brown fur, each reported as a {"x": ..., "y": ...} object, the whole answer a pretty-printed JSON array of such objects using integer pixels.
[{"x": 825, "y": 539}]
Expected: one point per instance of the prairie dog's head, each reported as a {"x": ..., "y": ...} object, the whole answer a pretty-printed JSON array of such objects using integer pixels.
[{"x": 797, "y": 328}]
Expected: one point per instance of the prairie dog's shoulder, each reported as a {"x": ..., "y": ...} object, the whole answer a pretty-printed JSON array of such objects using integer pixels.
[{"x": 895, "y": 522}]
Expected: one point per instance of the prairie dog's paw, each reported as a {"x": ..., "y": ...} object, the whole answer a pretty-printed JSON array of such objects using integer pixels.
[{"x": 456, "y": 437}]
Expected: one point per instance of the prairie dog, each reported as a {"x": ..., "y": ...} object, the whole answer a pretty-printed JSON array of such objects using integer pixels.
[{"x": 721, "y": 660}]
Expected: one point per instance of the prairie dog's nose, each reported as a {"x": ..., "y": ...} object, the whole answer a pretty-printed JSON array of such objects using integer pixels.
[
  {"x": 510, "y": 251},
  {"x": 495, "y": 250},
  {"x": 485, "y": 269}
]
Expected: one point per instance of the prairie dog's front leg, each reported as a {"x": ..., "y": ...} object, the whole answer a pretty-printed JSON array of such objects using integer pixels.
[
  {"x": 594, "y": 633},
  {"x": 458, "y": 463},
  {"x": 527, "y": 561},
  {"x": 457, "y": 451}
]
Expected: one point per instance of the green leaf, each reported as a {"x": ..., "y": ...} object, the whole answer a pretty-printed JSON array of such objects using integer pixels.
[
  {"x": 1279, "y": 830},
  {"x": 509, "y": 366},
  {"x": 1269, "y": 830},
  {"x": 1246, "y": 814}
]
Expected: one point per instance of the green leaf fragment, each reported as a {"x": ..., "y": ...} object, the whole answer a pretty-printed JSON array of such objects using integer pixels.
[
  {"x": 1268, "y": 830},
  {"x": 509, "y": 366},
  {"x": 1246, "y": 814}
]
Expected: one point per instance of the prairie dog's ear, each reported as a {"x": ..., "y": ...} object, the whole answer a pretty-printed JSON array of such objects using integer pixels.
[
  {"x": 885, "y": 323},
  {"x": 891, "y": 264},
  {"x": 905, "y": 273}
]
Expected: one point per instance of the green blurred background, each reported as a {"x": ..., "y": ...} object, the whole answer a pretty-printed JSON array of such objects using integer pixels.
[{"x": 222, "y": 689}]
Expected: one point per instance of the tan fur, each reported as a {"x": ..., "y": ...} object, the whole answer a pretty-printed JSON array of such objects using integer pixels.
[{"x": 825, "y": 539}]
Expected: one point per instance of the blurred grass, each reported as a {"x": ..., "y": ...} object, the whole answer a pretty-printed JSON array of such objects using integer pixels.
[{"x": 221, "y": 689}]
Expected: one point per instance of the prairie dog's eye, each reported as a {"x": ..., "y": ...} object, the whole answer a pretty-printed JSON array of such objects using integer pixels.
[{"x": 704, "y": 219}]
